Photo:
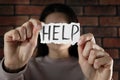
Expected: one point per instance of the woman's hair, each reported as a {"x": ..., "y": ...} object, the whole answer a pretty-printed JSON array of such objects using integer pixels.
[{"x": 71, "y": 17}]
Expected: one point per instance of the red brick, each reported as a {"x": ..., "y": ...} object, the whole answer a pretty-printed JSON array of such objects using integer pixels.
[
  {"x": 36, "y": 17},
  {"x": 6, "y": 10},
  {"x": 78, "y": 10},
  {"x": 110, "y": 2},
  {"x": 114, "y": 53},
  {"x": 116, "y": 66},
  {"x": 1, "y": 41},
  {"x": 1, "y": 53},
  {"x": 118, "y": 10},
  {"x": 13, "y": 20},
  {"x": 102, "y": 32},
  {"x": 46, "y": 1},
  {"x": 119, "y": 32},
  {"x": 98, "y": 41},
  {"x": 14, "y": 1},
  {"x": 5, "y": 29},
  {"x": 82, "y": 2},
  {"x": 81, "y": 31},
  {"x": 111, "y": 42},
  {"x": 100, "y": 10},
  {"x": 110, "y": 21},
  {"x": 30, "y": 10},
  {"x": 115, "y": 75},
  {"x": 88, "y": 21}
]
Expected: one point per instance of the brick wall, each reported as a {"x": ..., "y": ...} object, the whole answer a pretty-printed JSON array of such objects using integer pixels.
[{"x": 100, "y": 17}]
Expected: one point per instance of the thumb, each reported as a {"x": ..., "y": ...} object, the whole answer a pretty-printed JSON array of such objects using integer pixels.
[
  {"x": 83, "y": 39},
  {"x": 36, "y": 31},
  {"x": 80, "y": 50},
  {"x": 37, "y": 26}
]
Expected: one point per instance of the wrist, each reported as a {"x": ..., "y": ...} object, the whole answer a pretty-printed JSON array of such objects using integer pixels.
[{"x": 11, "y": 68}]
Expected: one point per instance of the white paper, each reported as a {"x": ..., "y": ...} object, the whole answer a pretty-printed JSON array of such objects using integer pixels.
[{"x": 60, "y": 33}]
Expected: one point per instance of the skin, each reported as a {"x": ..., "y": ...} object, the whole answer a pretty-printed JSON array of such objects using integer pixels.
[{"x": 20, "y": 44}]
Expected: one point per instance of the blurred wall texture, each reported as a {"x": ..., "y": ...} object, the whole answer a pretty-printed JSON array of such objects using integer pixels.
[{"x": 100, "y": 17}]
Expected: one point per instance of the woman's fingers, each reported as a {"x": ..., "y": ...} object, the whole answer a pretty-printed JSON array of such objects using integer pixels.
[
  {"x": 29, "y": 29},
  {"x": 22, "y": 32},
  {"x": 89, "y": 46},
  {"x": 12, "y": 35},
  {"x": 37, "y": 26},
  {"x": 99, "y": 58},
  {"x": 36, "y": 23},
  {"x": 92, "y": 58},
  {"x": 15, "y": 35},
  {"x": 81, "y": 45},
  {"x": 105, "y": 61},
  {"x": 92, "y": 53},
  {"x": 86, "y": 37},
  {"x": 95, "y": 54}
]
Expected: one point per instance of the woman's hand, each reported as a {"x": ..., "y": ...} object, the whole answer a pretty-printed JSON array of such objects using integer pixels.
[
  {"x": 95, "y": 63},
  {"x": 20, "y": 43}
]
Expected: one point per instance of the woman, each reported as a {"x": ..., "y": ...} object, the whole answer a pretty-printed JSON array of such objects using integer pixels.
[{"x": 54, "y": 61}]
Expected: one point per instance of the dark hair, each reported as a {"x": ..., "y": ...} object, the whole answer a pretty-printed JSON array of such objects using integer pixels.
[{"x": 71, "y": 16}]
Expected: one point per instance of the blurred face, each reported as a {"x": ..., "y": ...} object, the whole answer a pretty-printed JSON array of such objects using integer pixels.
[{"x": 57, "y": 18}]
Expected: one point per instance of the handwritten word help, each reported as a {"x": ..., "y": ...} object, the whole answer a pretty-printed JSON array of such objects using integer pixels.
[{"x": 60, "y": 33}]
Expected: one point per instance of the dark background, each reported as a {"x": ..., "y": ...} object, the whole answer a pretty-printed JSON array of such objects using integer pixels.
[{"x": 100, "y": 17}]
